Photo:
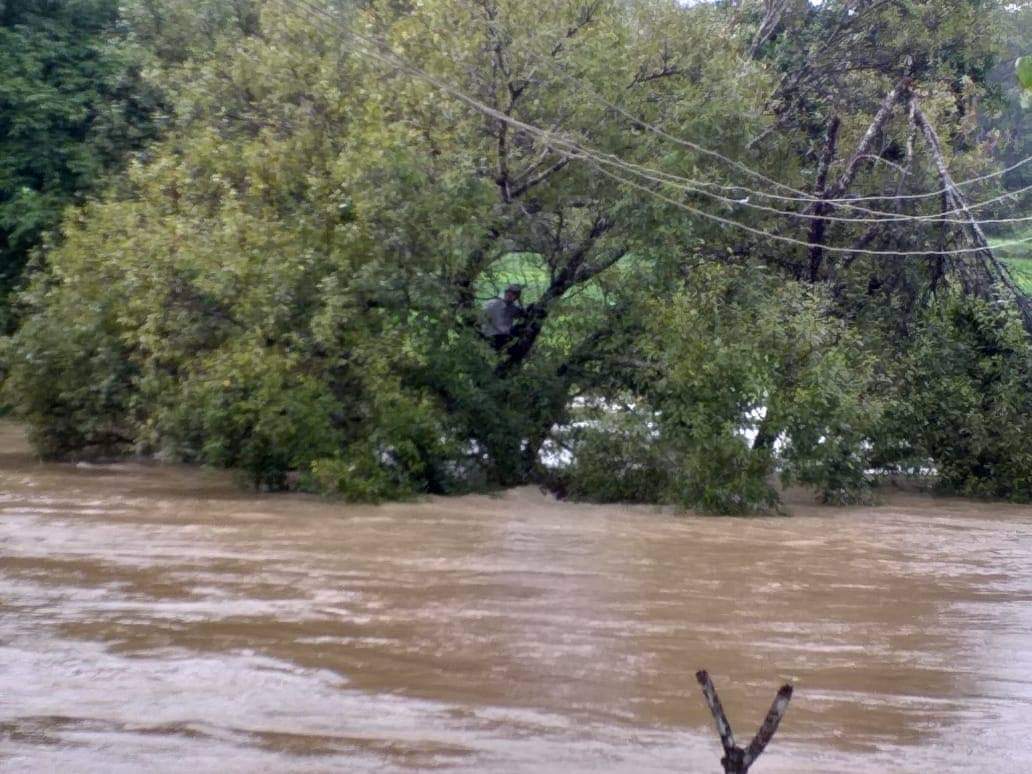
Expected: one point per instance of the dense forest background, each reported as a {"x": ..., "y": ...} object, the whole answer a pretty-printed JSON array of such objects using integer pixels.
[{"x": 754, "y": 239}]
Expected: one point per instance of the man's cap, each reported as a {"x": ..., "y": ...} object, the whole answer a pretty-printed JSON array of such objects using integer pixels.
[{"x": 514, "y": 288}]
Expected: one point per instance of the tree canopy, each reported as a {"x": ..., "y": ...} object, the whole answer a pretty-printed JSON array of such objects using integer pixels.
[{"x": 72, "y": 104}]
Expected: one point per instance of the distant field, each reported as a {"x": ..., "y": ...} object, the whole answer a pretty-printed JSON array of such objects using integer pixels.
[
  {"x": 1021, "y": 269},
  {"x": 530, "y": 271},
  {"x": 1018, "y": 257}
]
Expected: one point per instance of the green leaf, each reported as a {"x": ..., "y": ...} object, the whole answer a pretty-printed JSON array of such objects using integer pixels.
[{"x": 1023, "y": 68}]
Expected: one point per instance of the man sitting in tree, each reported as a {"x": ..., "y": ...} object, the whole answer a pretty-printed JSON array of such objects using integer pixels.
[{"x": 500, "y": 314}]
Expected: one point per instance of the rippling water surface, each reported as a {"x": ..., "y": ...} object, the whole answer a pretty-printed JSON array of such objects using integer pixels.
[{"x": 158, "y": 618}]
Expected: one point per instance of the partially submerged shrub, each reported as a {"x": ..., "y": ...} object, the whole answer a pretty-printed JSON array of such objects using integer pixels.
[
  {"x": 70, "y": 377},
  {"x": 410, "y": 450},
  {"x": 963, "y": 401},
  {"x": 740, "y": 356},
  {"x": 614, "y": 457},
  {"x": 250, "y": 409}
]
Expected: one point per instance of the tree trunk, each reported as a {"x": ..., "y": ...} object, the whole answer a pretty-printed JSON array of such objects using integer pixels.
[
  {"x": 982, "y": 271},
  {"x": 818, "y": 225}
]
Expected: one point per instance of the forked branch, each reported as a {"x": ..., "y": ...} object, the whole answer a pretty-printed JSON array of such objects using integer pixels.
[{"x": 737, "y": 760}]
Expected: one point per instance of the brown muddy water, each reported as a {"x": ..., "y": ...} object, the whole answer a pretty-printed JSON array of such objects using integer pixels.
[{"x": 159, "y": 619}]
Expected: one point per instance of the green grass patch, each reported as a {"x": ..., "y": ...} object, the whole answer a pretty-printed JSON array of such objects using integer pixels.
[
  {"x": 1017, "y": 257},
  {"x": 532, "y": 272},
  {"x": 526, "y": 269}
]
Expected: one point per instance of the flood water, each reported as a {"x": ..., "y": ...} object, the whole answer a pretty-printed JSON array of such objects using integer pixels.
[{"x": 161, "y": 619}]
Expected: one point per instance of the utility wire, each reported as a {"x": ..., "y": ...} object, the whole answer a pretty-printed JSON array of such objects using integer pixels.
[
  {"x": 802, "y": 242},
  {"x": 799, "y": 195},
  {"x": 666, "y": 179},
  {"x": 573, "y": 151},
  {"x": 701, "y": 187}
]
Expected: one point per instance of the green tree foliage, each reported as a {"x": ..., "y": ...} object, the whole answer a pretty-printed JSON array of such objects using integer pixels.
[
  {"x": 176, "y": 32},
  {"x": 72, "y": 104},
  {"x": 1005, "y": 124},
  {"x": 289, "y": 282},
  {"x": 1023, "y": 70},
  {"x": 963, "y": 396},
  {"x": 748, "y": 378}
]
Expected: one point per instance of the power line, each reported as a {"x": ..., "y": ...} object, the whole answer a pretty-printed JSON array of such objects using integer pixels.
[
  {"x": 802, "y": 242},
  {"x": 701, "y": 187},
  {"x": 940, "y": 217},
  {"x": 672, "y": 180},
  {"x": 576, "y": 152},
  {"x": 799, "y": 195}
]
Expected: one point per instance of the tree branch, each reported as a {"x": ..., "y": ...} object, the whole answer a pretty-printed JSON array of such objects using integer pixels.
[
  {"x": 819, "y": 225},
  {"x": 990, "y": 267},
  {"x": 770, "y": 725},
  {"x": 736, "y": 760},
  {"x": 587, "y": 16},
  {"x": 863, "y": 148},
  {"x": 538, "y": 179},
  {"x": 709, "y": 691}
]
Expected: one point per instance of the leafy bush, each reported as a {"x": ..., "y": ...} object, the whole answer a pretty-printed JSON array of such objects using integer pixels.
[
  {"x": 410, "y": 450},
  {"x": 72, "y": 380},
  {"x": 740, "y": 354},
  {"x": 615, "y": 457},
  {"x": 963, "y": 400},
  {"x": 743, "y": 379},
  {"x": 248, "y": 409}
]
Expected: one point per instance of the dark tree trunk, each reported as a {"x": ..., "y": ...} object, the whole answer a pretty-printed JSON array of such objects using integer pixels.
[{"x": 818, "y": 225}]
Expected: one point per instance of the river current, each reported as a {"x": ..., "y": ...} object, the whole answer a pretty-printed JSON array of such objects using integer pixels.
[{"x": 160, "y": 618}]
